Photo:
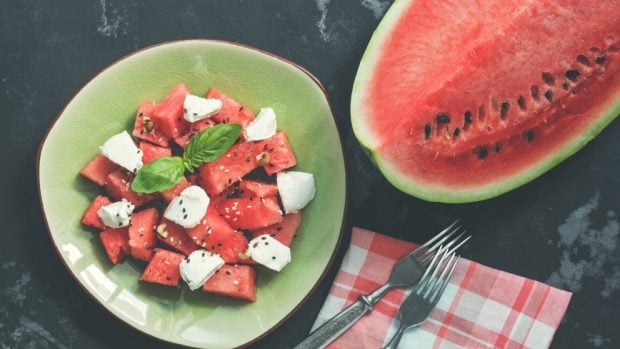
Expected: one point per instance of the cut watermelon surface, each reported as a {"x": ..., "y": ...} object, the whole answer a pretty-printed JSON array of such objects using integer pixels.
[
  {"x": 169, "y": 194},
  {"x": 116, "y": 243},
  {"x": 142, "y": 238},
  {"x": 464, "y": 102},
  {"x": 163, "y": 268},
  {"x": 275, "y": 154},
  {"x": 174, "y": 236},
  {"x": 256, "y": 189},
  {"x": 118, "y": 186},
  {"x": 284, "y": 231},
  {"x": 168, "y": 114},
  {"x": 249, "y": 213},
  {"x": 211, "y": 230},
  {"x": 144, "y": 127},
  {"x": 237, "y": 281},
  {"x": 193, "y": 129},
  {"x": 151, "y": 152},
  {"x": 218, "y": 175},
  {"x": 232, "y": 112},
  {"x": 98, "y": 169},
  {"x": 90, "y": 217}
]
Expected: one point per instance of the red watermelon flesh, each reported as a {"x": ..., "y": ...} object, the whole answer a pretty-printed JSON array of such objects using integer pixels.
[
  {"x": 118, "y": 186},
  {"x": 284, "y": 231},
  {"x": 232, "y": 247},
  {"x": 98, "y": 169},
  {"x": 257, "y": 189},
  {"x": 142, "y": 238},
  {"x": 232, "y": 112},
  {"x": 238, "y": 161},
  {"x": 249, "y": 213},
  {"x": 116, "y": 243},
  {"x": 163, "y": 268},
  {"x": 194, "y": 128},
  {"x": 488, "y": 97},
  {"x": 151, "y": 152},
  {"x": 174, "y": 236},
  {"x": 169, "y": 194},
  {"x": 237, "y": 281},
  {"x": 90, "y": 217},
  {"x": 211, "y": 230},
  {"x": 145, "y": 128},
  {"x": 275, "y": 153},
  {"x": 168, "y": 114}
]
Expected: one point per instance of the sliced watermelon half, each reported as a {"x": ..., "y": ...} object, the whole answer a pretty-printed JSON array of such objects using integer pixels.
[
  {"x": 163, "y": 268},
  {"x": 232, "y": 112},
  {"x": 237, "y": 281},
  {"x": 465, "y": 102}
]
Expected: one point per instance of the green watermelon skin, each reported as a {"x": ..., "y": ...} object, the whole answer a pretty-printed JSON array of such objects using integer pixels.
[
  {"x": 417, "y": 84},
  {"x": 163, "y": 268},
  {"x": 236, "y": 281}
]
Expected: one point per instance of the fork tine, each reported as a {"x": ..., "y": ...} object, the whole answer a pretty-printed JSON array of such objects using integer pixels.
[
  {"x": 448, "y": 245},
  {"x": 436, "y": 237},
  {"x": 445, "y": 281},
  {"x": 437, "y": 281},
  {"x": 440, "y": 267},
  {"x": 428, "y": 253},
  {"x": 453, "y": 249},
  {"x": 425, "y": 277}
]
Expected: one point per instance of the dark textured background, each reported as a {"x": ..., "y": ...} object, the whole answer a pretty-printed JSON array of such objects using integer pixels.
[{"x": 562, "y": 228}]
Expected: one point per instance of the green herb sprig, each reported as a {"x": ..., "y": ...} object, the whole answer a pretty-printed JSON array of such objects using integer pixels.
[{"x": 206, "y": 146}]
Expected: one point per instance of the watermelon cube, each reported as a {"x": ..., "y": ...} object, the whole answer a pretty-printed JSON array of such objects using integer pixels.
[
  {"x": 145, "y": 128},
  {"x": 231, "y": 248},
  {"x": 168, "y": 114},
  {"x": 163, "y": 268},
  {"x": 98, "y": 169},
  {"x": 194, "y": 128},
  {"x": 151, "y": 152},
  {"x": 275, "y": 153},
  {"x": 174, "y": 236},
  {"x": 249, "y": 213},
  {"x": 256, "y": 189},
  {"x": 169, "y": 194},
  {"x": 237, "y": 281},
  {"x": 283, "y": 231},
  {"x": 116, "y": 243},
  {"x": 238, "y": 161},
  {"x": 91, "y": 218},
  {"x": 211, "y": 231},
  {"x": 142, "y": 237},
  {"x": 118, "y": 184},
  {"x": 232, "y": 112}
]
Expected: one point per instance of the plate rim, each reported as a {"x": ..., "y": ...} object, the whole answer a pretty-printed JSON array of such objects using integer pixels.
[{"x": 204, "y": 40}]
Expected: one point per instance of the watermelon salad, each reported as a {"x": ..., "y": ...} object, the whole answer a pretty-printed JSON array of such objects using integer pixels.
[{"x": 203, "y": 192}]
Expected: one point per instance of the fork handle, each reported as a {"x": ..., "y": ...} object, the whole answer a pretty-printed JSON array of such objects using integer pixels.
[
  {"x": 336, "y": 326},
  {"x": 393, "y": 343}
]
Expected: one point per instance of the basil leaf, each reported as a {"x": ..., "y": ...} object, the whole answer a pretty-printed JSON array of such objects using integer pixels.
[
  {"x": 210, "y": 144},
  {"x": 160, "y": 174}
]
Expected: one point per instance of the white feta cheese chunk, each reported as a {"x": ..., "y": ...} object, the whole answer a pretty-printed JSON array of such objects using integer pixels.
[
  {"x": 199, "y": 266},
  {"x": 266, "y": 250},
  {"x": 189, "y": 207},
  {"x": 263, "y": 127},
  {"x": 116, "y": 214},
  {"x": 296, "y": 189},
  {"x": 197, "y": 108},
  {"x": 121, "y": 150}
]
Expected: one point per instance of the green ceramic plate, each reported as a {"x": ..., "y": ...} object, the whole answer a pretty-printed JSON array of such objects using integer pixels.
[{"x": 107, "y": 105}]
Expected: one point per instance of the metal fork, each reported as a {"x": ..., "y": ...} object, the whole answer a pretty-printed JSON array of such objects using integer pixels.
[
  {"x": 406, "y": 272},
  {"x": 424, "y": 297}
]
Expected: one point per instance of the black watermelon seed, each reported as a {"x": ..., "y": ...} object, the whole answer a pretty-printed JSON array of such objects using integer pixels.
[
  {"x": 498, "y": 147},
  {"x": 549, "y": 95},
  {"x": 572, "y": 74},
  {"x": 584, "y": 60},
  {"x": 141, "y": 113},
  {"x": 141, "y": 132},
  {"x": 279, "y": 228},
  {"x": 227, "y": 272},
  {"x": 504, "y": 109},
  {"x": 529, "y": 136},
  {"x": 521, "y": 102},
  {"x": 535, "y": 92},
  {"x": 600, "y": 60},
  {"x": 184, "y": 216},
  {"x": 548, "y": 78},
  {"x": 168, "y": 278},
  {"x": 565, "y": 85},
  {"x": 468, "y": 117},
  {"x": 229, "y": 180},
  {"x": 427, "y": 130},
  {"x": 442, "y": 118},
  {"x": 457, "y": 132},
  {"x": 482, "y": 152},
  {"x": 219, "y": 245}
]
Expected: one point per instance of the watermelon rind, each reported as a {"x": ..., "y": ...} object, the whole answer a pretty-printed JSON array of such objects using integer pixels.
[{"x": 443, "y": 193}]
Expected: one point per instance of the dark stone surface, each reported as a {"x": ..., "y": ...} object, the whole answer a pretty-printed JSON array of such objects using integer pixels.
[{"x": 49, "y": 49}]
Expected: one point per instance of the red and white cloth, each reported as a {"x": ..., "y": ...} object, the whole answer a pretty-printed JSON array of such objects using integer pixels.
[{"x": 481, "y": 307}]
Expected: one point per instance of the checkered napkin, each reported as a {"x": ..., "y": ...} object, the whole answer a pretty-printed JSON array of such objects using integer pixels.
[{"x": 481, "y": 307}]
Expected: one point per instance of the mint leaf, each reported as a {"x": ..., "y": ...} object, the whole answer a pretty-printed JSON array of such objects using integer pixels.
[
  {"x": 208, "y": 145},
  {"x": 160, "y": 174}
]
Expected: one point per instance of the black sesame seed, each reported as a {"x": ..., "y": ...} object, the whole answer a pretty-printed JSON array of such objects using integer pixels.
[
  {"x": 273, "y": 257},
  {"x": 227, "y": 272},
  {"x": 181, "y": 202},
  {"x": 427, "y": 130},
  {"x": 184, "y": 216},
  {"x": 118, "y": 215},
  {"x": 457, "y": 132},
  {"x": 203, "y": 254},
  {"x": 219, "y": 245},
  {"x": 185, "y": 110},
  {"x": 183, "y": 210},
  {"x": 141, "y": 113},
  {"x": 264, "y": 238},
  {"x": 120, "y": 224},
  {"x": 482, "y": 152},
  {"x": 195, "y": 114},
  {"x": 141, "y": 132},
  {"x": 279, "y": 228},
  {"x": 266, "y": 243},
  {"x": 187, "y": 260},
  {"x": 529, "y": 136},
  {"x": 498, "y": 147},
  {"x": 229, "y": 180},
  {"x": 442, "y": 118},
  {"x": 168, "y": 278},
  {"x": 468, "y": 117}
]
